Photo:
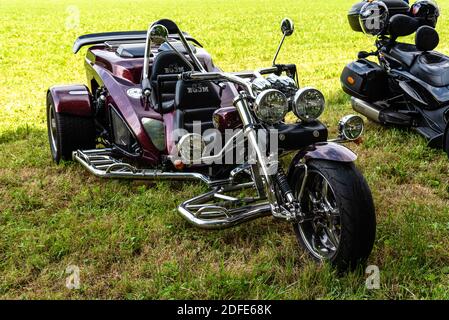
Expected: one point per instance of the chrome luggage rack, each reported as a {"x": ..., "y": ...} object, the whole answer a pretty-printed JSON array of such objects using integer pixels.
[{"x": 201, "y": 211}]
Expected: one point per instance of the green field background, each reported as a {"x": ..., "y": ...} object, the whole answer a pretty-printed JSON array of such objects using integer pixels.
[{"x": 127, "y": 238}]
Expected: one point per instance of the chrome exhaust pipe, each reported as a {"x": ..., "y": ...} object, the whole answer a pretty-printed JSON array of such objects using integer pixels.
[
  {"x": 101, "y": 163},
  {"x": 365, "y": 108}
]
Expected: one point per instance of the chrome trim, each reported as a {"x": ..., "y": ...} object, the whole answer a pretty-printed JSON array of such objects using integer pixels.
[
  {"x": 199, "y": 212},
  {"x": 199, "y": 76},
  {"x": 225, "y": 197},
  {"x": 146, "y": 59},
  {"x": 78, "y": 92},
  {"x": 365, "y": 108},
  {"x": 190, "y": 52},
  {"x": 53, "y": 127},
  {"x": 304, "y": 180},
  {"x": 102, "y": 163},
  {"x": 247, "y": 214},
  {"x": 343, "y": 123},
  {"x": 319, "y": 254},
  {"x": 241, "y": 104}
]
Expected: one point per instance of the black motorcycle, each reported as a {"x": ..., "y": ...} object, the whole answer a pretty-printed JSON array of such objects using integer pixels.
[{"x": 409, "y": 87}]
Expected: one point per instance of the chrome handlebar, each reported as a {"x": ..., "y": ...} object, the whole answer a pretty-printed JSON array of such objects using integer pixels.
[
  {"x": 239, "y": 78},
  {"x": 217, "y": 76}
]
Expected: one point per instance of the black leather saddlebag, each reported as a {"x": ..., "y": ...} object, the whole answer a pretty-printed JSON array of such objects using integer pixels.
[{"x": 365, "y": 80}]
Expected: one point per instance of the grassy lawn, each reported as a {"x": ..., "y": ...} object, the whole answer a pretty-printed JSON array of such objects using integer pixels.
[{"x": 127, "y": 238}]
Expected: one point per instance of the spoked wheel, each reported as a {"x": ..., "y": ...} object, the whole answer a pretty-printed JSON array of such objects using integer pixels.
[
  {"x": 322, "y": 233},
  {"x": 340, "y": 221},
  {"x": 68, "y": 133}
]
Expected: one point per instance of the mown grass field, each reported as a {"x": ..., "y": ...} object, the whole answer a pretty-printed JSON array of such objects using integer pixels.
[{"x": 127, "y": 237}]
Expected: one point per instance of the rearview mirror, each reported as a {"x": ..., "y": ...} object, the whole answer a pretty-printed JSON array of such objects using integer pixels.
[
  {"x": 158, "y": 34},
  {"x": 287, "y": 27}
]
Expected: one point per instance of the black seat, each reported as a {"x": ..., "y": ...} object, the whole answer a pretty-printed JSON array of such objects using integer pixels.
[
  {"x": 195, "y": 102},
  {"x": 432, "y": 68},
  {"x": 405, "y": 53},
  {"x": 425, "y": 64},
  {"x": 166, "y": 62}
]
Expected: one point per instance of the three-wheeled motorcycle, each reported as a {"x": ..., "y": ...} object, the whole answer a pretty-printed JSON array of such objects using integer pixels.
[
  {"x": 409, "y": 86},
  {"x": 156, "y": 107}
]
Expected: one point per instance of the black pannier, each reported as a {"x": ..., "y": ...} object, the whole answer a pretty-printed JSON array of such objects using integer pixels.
[
  {"x": 365, "y": 80},
  {"x": 394, "y": 7}
]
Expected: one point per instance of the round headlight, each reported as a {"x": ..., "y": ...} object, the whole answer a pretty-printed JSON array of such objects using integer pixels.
[
  {"x": 309, "y": 104},
  {"x": 351, "y": 127},
  {"x": 271, "y": 106}
]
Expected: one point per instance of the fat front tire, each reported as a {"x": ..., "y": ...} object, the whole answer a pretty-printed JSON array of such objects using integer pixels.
[
  {"x": 340, "y": 220},
  {"x": 67, "y": 133}
]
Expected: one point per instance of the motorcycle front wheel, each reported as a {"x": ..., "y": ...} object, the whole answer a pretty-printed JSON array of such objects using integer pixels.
[{"x": 340, "y": 220}]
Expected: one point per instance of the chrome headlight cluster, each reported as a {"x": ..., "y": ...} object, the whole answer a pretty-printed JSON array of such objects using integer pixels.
[
  {"x": 260, "y": 84},
  {"x": 271, "y": 106},
  {"x": 308, "y": 104}
]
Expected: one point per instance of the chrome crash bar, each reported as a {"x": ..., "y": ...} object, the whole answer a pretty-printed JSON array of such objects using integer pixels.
[{"x": 206, "y": 215}]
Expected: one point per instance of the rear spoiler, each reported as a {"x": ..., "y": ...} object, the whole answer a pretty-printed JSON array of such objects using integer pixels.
[{"x": 98, "y": 38}]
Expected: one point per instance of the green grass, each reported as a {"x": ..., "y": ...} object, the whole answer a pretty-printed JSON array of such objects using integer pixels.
[{"x": 127, "y": 237}]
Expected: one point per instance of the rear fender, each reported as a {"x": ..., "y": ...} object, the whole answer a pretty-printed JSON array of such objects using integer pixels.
[
  {"x": 322, "y": 151},
  {"x": 74, "y": 100}
]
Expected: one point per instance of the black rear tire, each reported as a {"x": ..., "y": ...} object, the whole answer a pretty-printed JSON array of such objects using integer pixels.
[
  {"x": 350, "y": 208},
  {"x": 68, "y": 133}
]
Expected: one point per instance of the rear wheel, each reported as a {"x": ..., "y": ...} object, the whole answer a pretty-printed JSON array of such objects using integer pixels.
[
  {"x": 68, "y": 133},
  {"x": 340, "y": 223}
]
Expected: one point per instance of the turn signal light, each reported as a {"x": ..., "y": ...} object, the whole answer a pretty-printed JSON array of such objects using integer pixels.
[
  {"x": 179, "y": 165},
  {"x": 351, "y": 80}
]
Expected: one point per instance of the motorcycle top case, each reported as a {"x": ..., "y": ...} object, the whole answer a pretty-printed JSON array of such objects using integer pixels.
[
  {"x": 394, "y": 7},
  {"x": 365, "y": 80}
]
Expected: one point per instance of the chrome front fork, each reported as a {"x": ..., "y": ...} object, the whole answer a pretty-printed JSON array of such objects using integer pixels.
[{"x": 262, "y": 173}]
